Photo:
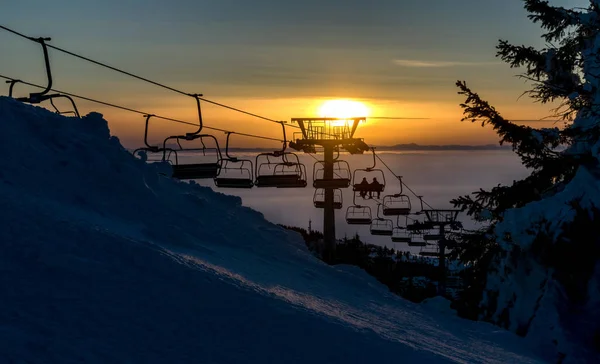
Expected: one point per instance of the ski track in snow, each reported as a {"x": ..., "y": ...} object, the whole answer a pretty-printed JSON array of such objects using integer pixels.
[{"x": 105, "y": 261}]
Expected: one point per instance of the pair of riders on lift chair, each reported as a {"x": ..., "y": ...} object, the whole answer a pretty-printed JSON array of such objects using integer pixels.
[{"x": 374, "y": 186}]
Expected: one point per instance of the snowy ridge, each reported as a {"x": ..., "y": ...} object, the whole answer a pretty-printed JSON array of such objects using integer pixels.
[{"x": 106, "y": 261}]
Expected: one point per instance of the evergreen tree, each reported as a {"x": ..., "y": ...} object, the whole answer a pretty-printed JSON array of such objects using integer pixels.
[{"x": 535, "y": 264}]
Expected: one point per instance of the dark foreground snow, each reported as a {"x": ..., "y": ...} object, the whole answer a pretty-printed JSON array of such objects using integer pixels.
[{"x": 102, "y": 260}]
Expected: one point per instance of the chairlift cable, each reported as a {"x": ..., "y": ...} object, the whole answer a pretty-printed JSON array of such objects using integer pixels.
[
  {"x": 403, "y": 184},
  {"x": 145, "y": 113},
  {"x": 15, "y": 32},
  {"x": 102, "y": 64}
]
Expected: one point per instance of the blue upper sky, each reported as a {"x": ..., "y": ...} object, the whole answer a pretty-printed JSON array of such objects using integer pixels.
[{"x": 386, "y": 51}]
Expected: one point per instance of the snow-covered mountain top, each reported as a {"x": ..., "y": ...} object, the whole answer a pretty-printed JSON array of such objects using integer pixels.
[{"x": 104, "y": 260}]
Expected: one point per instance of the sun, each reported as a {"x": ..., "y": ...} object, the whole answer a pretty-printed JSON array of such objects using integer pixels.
[{"x": 343, "y": 109}]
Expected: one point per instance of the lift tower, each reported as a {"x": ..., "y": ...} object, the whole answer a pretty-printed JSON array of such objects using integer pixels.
[
  {"x": 331, "y": 134},
  {"x": 439, "y": 219}
]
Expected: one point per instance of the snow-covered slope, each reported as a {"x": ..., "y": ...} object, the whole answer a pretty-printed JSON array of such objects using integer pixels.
[{"x": 103, "y": 260}]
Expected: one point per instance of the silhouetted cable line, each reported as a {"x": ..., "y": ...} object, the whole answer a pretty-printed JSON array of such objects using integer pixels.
[
  {"x": 102, "y": 64},
  {"x": 15, "y": 32},
  {"x": 403, "y": 184},
  {"x": 145, "y": 113}
]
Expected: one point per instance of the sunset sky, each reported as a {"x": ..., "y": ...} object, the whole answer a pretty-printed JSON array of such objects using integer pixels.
[{"x": 280, "y": 59}]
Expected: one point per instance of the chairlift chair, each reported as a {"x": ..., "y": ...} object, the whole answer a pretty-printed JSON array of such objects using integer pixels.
[
  {"x": 195, "y": 170},
  {"x": 419, "y": 227},
  {"x": 239, "y": 176},
  {"x": 358, "y": 215},
  {"x": 429, "y": 250},
  {"x": 381, "y": 226},
  {"x": 362, "y": 189},
  {"x": 287, "y": 172},
  {"x": 319, "y": 198},
  {"x": 39, "y": 97},
  {"x": 416, "y": 230},
  {"x": 282, "y": 174},
  {"x": 401, "y": 235},
  {"x": 433, "y": 235},
  {"x": 152, "y": 149},
  {"x": 341, "y": 175},
  {"x": 398, "y": 204},
  {"x": 185, "y": 171},
  {"x": 425, "y": 228}
]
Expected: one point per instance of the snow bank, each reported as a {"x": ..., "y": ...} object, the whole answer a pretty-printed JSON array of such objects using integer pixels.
[
  {"x": 104, "y": 260},
  {"x": 525, "y": 294}
]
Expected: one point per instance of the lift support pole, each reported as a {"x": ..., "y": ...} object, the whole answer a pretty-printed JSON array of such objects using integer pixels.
[
  {"x": 322, "y": 132},
  {"x": 329, "y": 212},
  {"x": 439, "y": 219},
  {"x": 442, "y": 261}
]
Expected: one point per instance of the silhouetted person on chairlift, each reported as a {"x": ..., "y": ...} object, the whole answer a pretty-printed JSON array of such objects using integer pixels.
[
  {"x": 365, "y": 184},
  {"x": 375, "y": 185}
]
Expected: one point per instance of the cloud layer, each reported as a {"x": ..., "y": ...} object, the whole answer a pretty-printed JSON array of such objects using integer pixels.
[{"x": 438, "y": 64}]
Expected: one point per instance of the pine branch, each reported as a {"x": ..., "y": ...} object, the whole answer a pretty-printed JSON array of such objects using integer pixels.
[
  {"x": 473, "y": 246},
  {"x": 519, "y": 56},
  {"x": 555, "y": 71},
  {"x": 552, "y": 18},
  {"x": 532, "y": 145},
  {"x": 491, "y": 205}
]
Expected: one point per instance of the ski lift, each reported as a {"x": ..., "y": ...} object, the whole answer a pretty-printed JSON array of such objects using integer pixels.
[
  {"x": 398, "y": 204},
  {"x": 363, "y": 187},
  {"x": 239, "y": 176},
  {"x": 358, "y": 215},
  {"x": 416, "y": 230},
  {"x": 319, "y": 198},
  {"x": 433, "y": 235},
  {"x": 38, "y": 97},
  {"x": 429, "y": 250},
  {"x": 194, "y": 170},
  {"x": 284, "y": 173},
  {"x": 341, "y": 175},
  {"x": 400, "y": 235},
  {"x": 151, "y": 148},
  {"x": 381, "y": 226},
  {"x": 394, "y": 205},
  {"x": 419, "y": 227}
]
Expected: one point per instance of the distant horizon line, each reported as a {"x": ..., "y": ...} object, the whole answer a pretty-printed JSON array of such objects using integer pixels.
[
  {"x": 404, "y": 147},
  {"x": 414, "y": 146}
]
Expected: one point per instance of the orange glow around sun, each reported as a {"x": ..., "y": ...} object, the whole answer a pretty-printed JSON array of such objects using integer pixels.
[{"x": 343, "y": 109}]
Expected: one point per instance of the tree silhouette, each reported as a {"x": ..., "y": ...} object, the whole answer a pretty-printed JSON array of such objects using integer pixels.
[{"x": 537, "y": 229}]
